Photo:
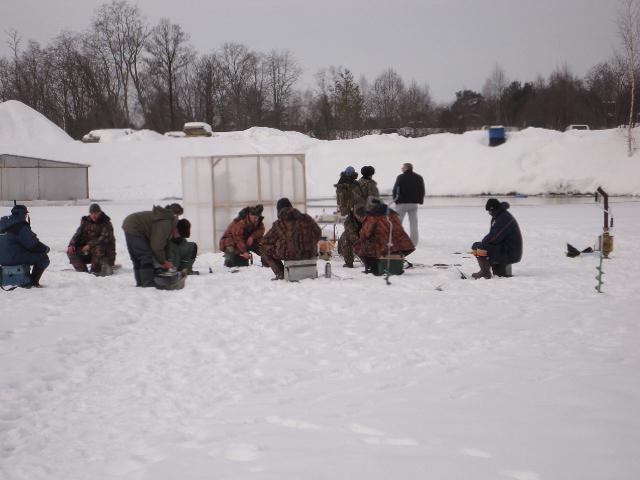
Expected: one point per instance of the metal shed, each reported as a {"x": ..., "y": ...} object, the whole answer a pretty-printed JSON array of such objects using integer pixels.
[{"x": 29, "y": 178}]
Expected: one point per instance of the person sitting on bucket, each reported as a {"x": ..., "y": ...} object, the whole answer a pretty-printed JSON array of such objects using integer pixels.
[
  {"x": 502, "y": 245},
  {"x": 243, "y": 235},
  {"x": 147, "y": 234},
  {"x": 20, "y": 246},
  {"x": 93, "y": 243},
  {"x": 293, "y": 236},
  {"x": 381, "y": 234},
  {"x": 181, "y": 252}
]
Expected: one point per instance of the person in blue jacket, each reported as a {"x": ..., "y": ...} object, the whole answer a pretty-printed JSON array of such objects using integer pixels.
[
  {"x": 20, "y": 246},
  {"x": 502, "y": 245}
]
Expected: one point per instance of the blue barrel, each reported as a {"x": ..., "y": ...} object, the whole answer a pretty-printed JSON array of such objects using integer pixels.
[{"x": 496, "y": 136}]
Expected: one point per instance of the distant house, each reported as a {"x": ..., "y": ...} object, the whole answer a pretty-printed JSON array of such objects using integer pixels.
[{"x": 28, "y": 178}]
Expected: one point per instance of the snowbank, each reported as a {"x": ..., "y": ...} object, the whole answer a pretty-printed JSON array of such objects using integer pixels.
[
  {"x": 21, "y": 123},
  {"x": 532, "y": 161}
]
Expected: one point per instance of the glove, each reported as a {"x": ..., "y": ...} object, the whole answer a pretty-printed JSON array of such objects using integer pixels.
[{"x": 167, "y": 265}]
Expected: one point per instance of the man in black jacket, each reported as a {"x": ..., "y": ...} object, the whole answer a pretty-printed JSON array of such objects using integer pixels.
[
  {"x": 408, "y": 193},
  {"x": 502, "y": 246},
  {"x": 20, "y": 246}
]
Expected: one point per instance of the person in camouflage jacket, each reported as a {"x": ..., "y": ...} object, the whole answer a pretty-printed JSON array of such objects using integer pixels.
[
  {"x": 294, "y": 236},
  {"x": 373, "y": 241},
  {"x": 93, "y": 243},
  {"x": 243, "y": 235},
  {"x": 350, "y": 197},
  {"x": 368, "y": 185}
]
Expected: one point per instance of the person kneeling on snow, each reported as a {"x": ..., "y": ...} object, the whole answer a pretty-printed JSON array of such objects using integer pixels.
[
  {"x": 181, "y": 252},
  {"x": 20, "y": 246},
  {"x": 243, "y": 235},
  {"x": 502, "y": 246},
  {"x": 293, "y": 236},
  {"x": 93, "y": 243},
  {"x": 147, "y": 234},
  {"x": 381, "y": 234}
]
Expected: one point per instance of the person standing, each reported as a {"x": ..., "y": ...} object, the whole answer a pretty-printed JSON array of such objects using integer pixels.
[
  {"x": 93, "y": 243},
  {"x": 20, "y": 246},
  {"x": 368, "y": 185},
  {"x": 349, "y": 197},
  {"x": 147, "y": 235},
  {"x": 408, "y": 193}
]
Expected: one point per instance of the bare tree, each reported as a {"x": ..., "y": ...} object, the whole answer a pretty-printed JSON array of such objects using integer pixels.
[
  {"x": 388, "y": 89},
  {"x": 629, "y": 31},
  {"x": 282, "y": 73},
  {"x": 169, "y": 54},
  {"x": 237, "y": 65},
  {"x": 493, "y": 90}
]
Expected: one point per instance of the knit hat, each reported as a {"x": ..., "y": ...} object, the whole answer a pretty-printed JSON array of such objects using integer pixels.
[
  {"x": 367, "y": 171},
  {"x": 19, "y": 209},
  {"x": 283, "y": 203},
  {"x": 492, "y": 204},
  {"x": 184, "y": 228},
  {"x": 349, "y": 171},
  {"x": 94, "y": 208}
]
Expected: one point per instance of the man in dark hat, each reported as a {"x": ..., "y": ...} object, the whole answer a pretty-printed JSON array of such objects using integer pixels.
[
  {"x": 502, "y": 246},
  {"x": 368, "y": 185},
  {"x": 243, "y": 235},
  {"x": 293, "y": 236},
  {"x": 182, "y": 253},
  {"x": 147, "y": 234},
  {"x": 349, "y": 197},
  {"x": 20, "y": 246},
  {"x": 93, "y": 243}
]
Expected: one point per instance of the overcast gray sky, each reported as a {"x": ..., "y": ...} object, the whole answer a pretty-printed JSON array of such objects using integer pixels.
[{"x": 447, "y": 44}]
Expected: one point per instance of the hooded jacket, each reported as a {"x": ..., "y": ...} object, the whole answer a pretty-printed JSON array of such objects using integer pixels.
[
  {"x": 503, "y": 243},
  {"x": 17, "y": 238},
  {"x": 374, "y": 235},
  {"x": 294, "y": 236},
  {"x": 156, "y": 226},
  {"x": 239, "y": 231}
]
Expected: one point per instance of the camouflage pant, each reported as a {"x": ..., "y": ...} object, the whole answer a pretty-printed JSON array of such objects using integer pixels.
[
  {"x": 96, "y": 256},
  {"x": 348, "y": 238}
]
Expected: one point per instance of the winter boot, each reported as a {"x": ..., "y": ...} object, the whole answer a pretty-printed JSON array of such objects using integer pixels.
[
  {"x": 106, "y": 270},
  {"x": 36, "y": 274},
  {"x": 485, "y": 269},
  {"x": 146, "y": 277}
]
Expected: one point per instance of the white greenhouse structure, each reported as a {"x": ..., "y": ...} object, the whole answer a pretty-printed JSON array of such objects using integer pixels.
[
  {"x": 216, "y": 188},
  {"x": 28, "y": 178}
]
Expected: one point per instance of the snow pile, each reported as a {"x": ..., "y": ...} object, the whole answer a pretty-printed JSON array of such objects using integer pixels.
[
  {"x": 21, "y": 123},
  {"x": 532, "y": 161}
]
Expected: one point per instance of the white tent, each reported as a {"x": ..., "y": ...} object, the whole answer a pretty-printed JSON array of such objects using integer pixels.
[{"x": 215, "y": 188}]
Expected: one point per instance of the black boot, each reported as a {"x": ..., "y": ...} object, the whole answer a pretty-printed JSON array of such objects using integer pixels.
[
  {"x": 146, "y": 277},
  {"x": 485, "y": 269},
  {"x": 36, "y": 274},
  {"x": 136, "y": 274}
]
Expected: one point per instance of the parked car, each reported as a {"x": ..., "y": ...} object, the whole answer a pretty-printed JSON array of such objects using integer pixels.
[{"x": 577, "y": 127}]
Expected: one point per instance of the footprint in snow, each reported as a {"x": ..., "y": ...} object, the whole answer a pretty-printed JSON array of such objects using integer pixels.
[
  {"x": 520, "y": 475},
  {"x": 292, "y": 423},
  {"x": 242, "y": 452},
  {"x": 474, "y": 452}
]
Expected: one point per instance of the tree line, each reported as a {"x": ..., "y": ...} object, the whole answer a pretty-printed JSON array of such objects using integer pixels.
[{"x": 124, "y": 72}]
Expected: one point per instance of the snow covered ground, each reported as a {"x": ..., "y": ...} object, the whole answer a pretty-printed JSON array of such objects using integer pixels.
[{"x": 529, "y": 378}]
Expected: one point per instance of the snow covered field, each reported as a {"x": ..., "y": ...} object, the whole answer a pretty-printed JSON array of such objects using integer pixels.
[{"x": 529, "y": 378}]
